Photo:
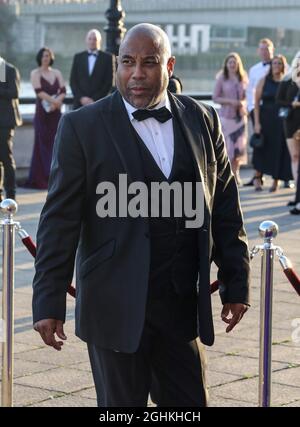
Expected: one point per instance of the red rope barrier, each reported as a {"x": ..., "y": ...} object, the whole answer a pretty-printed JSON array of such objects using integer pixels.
[
  {"x": 30, "y": 245},
  {"x": 293, "y": 279},
  {"x": 290, "y": 273}
]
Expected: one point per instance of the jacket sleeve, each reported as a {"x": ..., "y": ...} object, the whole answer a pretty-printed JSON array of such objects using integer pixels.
[
  {"x": 230, "y": 251},
  {"x": 11, "y": 88},
  {"x": 59, "y": 226}
]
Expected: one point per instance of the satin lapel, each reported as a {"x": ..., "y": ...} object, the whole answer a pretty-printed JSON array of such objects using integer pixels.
[
  {"x": 119, "y": 128},
  {"x": 190, "y": 124}
]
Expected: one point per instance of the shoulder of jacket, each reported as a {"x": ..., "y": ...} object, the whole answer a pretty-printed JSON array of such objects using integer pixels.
[
  {"x": 80, "y": 54},
  {"x": 201, "y": 107}
]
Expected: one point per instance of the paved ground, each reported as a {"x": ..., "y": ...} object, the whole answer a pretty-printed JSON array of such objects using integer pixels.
[{"x": 44, "y": 377}]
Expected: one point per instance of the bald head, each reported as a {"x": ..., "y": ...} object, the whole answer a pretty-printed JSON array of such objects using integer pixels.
[
  {"x": 153, "y": 32},
  {"x": 93, "y": 39}
]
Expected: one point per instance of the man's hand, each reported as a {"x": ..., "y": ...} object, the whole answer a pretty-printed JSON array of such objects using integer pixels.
[
  {"x": 47, "y": 328},
  {"x": 237, "y": 310}
]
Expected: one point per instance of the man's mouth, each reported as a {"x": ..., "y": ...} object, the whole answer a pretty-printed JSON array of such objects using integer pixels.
[{"x": 137, "y": 90}]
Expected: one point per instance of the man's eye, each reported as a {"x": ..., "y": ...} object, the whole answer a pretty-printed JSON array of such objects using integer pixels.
[{"x": 127, "y": 61}]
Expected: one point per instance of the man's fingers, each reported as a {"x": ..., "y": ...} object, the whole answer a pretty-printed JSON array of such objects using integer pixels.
[
  {"x": 224, "y": 313},
  {"x": 47, "y": 328},
  {"x": 233, "y": 321},
  {"x": 60, "y": 330},
  {"x": 49, "y": 339}
]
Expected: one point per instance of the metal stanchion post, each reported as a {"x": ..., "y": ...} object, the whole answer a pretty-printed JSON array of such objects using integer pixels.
[
  {"x": 9, "y": 208},
  {"x": 268, "y": 230}
]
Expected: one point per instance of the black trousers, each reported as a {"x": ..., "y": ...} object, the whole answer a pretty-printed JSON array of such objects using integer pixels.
[
  {"x": 168, "y": 363},
  {"x": 8, "y": 178}
]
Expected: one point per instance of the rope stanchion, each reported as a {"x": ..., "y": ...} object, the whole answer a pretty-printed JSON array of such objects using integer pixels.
[{"x": 268, "y": 230}]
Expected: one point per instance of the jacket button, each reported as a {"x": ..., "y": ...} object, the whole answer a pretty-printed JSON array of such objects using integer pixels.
[{"x": 147, "y": 235}]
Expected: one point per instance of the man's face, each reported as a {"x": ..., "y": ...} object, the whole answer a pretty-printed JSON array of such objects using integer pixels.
[
  {"x": 265, "y": 52},
  {"x": 143, "y": 72},
  {"x": 92, "y": 41}
]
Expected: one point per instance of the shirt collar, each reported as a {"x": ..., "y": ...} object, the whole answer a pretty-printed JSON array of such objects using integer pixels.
[{"x": 130, "y": 109}]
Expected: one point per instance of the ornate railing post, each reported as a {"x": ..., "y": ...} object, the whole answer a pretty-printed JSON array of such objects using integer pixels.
[{"x": 115, "y": 29}]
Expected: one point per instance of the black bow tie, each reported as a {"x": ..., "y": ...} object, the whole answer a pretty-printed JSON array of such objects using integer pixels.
[
  {"x": 161, "y": 114},
  {"x": 266, "y": 63},
  {"x": 93, "y": 54}
]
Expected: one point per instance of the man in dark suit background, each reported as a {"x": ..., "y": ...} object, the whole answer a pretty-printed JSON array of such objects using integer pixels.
[
  {"x": 142, "y": 283},
  {"x": 9, "y": 119},
  {"x": 92, "y": 73}
]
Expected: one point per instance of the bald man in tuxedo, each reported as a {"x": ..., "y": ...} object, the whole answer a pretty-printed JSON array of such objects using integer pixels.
[
  {"x": 143, "y": 298},
  {"x": 93, "y": 72}
]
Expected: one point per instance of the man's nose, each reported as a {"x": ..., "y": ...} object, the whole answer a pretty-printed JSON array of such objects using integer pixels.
[{"x": 139, "y": 72}]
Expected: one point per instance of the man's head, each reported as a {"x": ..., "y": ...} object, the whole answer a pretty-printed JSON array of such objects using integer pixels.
[
  {"x": 144, "y": 65},
  {"x": 93, "y": 40},
  {"x": 265, "y": 50}
]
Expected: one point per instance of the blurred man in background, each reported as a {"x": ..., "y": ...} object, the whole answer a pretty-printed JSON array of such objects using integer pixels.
[{"x": 92, "y": 73}]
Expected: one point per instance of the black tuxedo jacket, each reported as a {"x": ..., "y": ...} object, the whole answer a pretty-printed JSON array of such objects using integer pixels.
[
  {"x": 99, "y": 83},
  {"x": 95, "y": 144},
  {"x": 9, "y": 98}
]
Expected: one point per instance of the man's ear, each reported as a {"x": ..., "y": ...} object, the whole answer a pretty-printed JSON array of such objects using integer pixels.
[{"x": 171, "y": 65}]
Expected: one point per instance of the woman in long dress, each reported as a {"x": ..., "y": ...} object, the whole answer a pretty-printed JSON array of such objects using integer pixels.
[
  {"x": 49, "y": 86},
  {"x": 273, "y": 158},
  {"x": 230, "y": 93}
]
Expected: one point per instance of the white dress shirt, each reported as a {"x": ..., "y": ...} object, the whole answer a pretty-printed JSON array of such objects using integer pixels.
[
  {"x": 92, "y": 59},
  {"x": 256, "y": 73},
  {"x": 158, "y": 137}
]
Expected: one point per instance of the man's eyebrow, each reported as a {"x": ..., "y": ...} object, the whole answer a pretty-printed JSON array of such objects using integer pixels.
[{"x": 126, "y": 56}]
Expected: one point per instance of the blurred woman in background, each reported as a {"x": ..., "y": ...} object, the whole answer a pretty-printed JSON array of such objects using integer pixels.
[
  {"x": 49, "y": 86},
  {"x": 230, "y": 93}
]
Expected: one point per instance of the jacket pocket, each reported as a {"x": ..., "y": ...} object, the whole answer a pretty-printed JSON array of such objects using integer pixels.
[{"x": 102, "y": 254}]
